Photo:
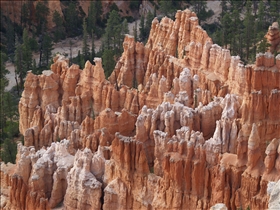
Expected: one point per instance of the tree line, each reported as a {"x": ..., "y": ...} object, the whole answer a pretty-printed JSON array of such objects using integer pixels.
[{"x": 242, "y": 26}]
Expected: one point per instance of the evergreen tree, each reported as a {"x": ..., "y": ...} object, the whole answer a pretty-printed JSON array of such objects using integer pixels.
[
  {"x": 80, "y": 60},
  {"x": 25, "y": 15},
  {"x": 108, "y": 62},
  {"x": 135, "y": 33},
  {"x": 59, "y": 33},
  {"x": 4, "y": 71},
  {"x": 263, "y": 46},
  {"x": 3, "y": 83},
  {"x": 8, "y": 111},
  {"x": 149, "y": 20},
  {"x": 85, "y": 49},
  {"x": 23, "y": 57},
  {"x": 236, "y": 41},
  {"x": 227, "y": 29},
  {"x": 70, "y": 44},
  {"x": 9, "y": 151},
  {"x": 224, "y": 7},
  {"x": 41, "y": 13},
  {"x": 92, "y": 17},
  {"x": 113, "y": 30},
  {"x": 99, "y": 21},
  {"x": 260, "y": 16},
  {"x": 236, "y": 5},
  {"x": 47, "y": 47},
  {"x": 145, "y": 26},
  {"x": 33, "y": 44},
  {"x": 142, "y": 30},
  {"x": 166, "y": 8},
  {"x": 72, "y": 22},
  {"x": 134, "y": 5},
  {"x": 92, "y": 46},
  {"x": 9, "y": 126},
  {"x": 10, "y": 35},
  {"x": 18, "y": 65},
  {"x": 249, "y": 29},
  {"x": 199, "y": 8},
  {"x": 125, "y": 27},
  {"x": 274, "y": 10},
  {"x": 34, "y": 67},
  {"x": 114, "y": 7}
]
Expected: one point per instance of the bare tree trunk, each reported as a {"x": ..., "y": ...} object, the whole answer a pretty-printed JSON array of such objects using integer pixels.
[
  {"x": 70, "y": 53},
  {"x": 41, "y": 51},
  {"x": 17, "y": 84}
]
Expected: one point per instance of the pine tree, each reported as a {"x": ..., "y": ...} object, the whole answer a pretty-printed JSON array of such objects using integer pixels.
[
  {"x": 23, "y": 57},
  {"x": 113, "y": 30},
  {"x": 142, "y": 30},
  {"x": 260, "y": 16},
  {"x": 135, "y": 33},
  {"x": 41, "y": 13},
  {"x": 59, "y": 33},
  {"x": 125, "y": 27},
  {"x": 149, "y": 20},
  {"x": 3, "y": 70},
  {"x": 85, "y": 49},
  {"x": 227, "y": 29},
  {"x": 9, "y": 151},
  {"x": 72, "y": 21},
  {"x": 25, "y": 15},
  {"x": 34, "y": 67},
  {"x": 249, "y": 29},
  {"x": 263, "y": 46},
  {"x": 166, "y": 8},
  {"x": 236, "y": 41},
  {"x": 108, "y": 62},
  {"x": 99, "y": 22},
  {"x": 8, "y": 111},
  {"x": 18, "y": 64},
  {"x": 92, "y": 46},
  {"x": 224, "y": 7},
  {"x": 92, "y": 19},
  {"x": 236, "y": 5},
  {"x": 274, "y": 10},
  {"x": 70, "y": 44},
  {"x": 199, "y": 8},
  {"x": 10, "y": 37},
  {"x": 47, "y": 48}
]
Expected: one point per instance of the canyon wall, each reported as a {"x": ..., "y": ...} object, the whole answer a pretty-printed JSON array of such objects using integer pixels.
[{"x": 179, "y": 124}]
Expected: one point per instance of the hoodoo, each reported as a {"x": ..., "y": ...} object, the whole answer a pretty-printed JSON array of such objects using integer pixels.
[{"x": 179, "y": 124}]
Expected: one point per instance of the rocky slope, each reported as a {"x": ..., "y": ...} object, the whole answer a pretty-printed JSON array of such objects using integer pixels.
[{"x": 180, "y": 124}]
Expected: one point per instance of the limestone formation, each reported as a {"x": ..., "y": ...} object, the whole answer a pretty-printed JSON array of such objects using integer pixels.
[
  {"x": 273, "y": 37},
  {"x": 81, "y": 183},
  {"x": 274, "y": 192},
  {"x": 179, "y": 124}
]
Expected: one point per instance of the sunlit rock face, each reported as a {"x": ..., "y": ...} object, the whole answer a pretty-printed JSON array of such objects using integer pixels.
[
  {"x": 273, "y": 37},
  {"x": 179, "y": 124}
]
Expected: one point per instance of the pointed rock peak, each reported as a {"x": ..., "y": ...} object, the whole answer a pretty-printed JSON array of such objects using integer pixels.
[
  {"x": 272, "y": 147},
  {"x": 217, "y": 133},
  {"x": 254, "y": 138}
]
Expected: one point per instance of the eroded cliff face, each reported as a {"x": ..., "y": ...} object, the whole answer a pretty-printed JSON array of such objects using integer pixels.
[{"x": 180, "y": 124}]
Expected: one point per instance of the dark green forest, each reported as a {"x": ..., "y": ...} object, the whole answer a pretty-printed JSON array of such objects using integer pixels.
[{"x": 240, "y": 28}]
